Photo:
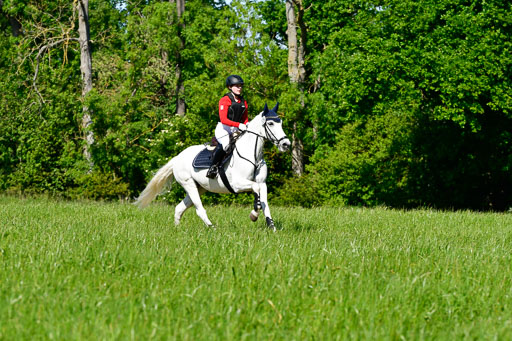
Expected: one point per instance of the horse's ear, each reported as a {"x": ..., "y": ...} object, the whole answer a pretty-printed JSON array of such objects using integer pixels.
[
  {"x": 275, "y": 108},
  {"x": 265, "y": 109}
]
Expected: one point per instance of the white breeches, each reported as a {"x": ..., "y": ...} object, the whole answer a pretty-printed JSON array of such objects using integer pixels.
[{"x": 222, "y": 133}]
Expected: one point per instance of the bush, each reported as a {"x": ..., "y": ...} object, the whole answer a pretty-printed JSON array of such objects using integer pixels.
[
  {"x": 97, "y": 185},
  {"x": 299, "y": 191},
  {"x": 368, "y": 165}
]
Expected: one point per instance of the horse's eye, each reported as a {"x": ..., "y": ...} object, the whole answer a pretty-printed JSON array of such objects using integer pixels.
[{"x": 271, "y": 123}]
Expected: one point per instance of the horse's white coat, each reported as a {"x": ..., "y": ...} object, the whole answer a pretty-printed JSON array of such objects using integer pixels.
[{"x": 239, "y": 172}]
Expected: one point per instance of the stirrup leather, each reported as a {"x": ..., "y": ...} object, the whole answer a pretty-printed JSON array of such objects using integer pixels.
[{"x": 212, "y": 172}]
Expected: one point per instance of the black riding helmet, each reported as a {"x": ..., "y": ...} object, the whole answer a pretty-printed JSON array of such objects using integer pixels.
[{"x": 233, "y": 80}]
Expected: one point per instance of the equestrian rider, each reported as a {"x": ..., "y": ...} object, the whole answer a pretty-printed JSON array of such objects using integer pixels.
[{"x": 233, "y": 118}]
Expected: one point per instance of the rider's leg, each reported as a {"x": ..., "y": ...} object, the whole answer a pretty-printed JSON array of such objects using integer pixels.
[
  {"x": 218, "y": 155},
  {"x": 222, "y": 135}
]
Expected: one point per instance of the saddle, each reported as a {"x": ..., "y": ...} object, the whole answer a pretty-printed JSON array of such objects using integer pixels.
[{"x": 204, "y": 158}]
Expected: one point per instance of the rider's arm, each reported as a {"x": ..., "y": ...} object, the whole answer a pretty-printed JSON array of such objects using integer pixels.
[
  {"x": 224, "y": 104},
  {"x": 245, "y": 117}
]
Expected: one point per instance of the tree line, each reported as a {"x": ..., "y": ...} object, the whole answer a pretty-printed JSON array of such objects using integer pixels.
[{"x": 396, "y": 103}]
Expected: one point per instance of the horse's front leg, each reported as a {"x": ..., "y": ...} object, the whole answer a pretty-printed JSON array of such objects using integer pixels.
[
  {"x": 256, "y": 208},
  {"x": 264, "y": 206},
  {"x": 261, "y": 177},
  {"x": 245, "y": 185},
  {"x": 260, "y": 198}
]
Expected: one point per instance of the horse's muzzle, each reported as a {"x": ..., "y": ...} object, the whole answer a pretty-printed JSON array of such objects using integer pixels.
[{"x": 285, "y": 145}]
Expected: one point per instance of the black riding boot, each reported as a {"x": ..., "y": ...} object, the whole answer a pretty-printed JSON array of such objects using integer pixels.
[{"x": 218, "y": 155}]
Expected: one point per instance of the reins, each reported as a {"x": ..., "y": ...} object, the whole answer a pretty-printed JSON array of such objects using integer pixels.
[
  {"x": 255, "y": 148},
  {"x": 268, "y": 135}
]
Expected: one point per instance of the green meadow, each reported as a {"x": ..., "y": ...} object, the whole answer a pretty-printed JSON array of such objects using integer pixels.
[{"x": 109, "y": 271}]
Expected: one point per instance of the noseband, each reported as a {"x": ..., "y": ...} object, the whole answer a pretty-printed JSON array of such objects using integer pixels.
[{"x": 268, "y": 133}]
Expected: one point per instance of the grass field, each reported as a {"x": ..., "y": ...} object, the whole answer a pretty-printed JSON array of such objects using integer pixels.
[{"x": 94, "y": 271}]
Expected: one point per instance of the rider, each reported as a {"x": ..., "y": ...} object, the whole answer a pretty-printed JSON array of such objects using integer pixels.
[{"x": 233, "y": 117}]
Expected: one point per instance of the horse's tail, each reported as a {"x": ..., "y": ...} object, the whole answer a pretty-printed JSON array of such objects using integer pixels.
[{"x": 163, "y": 176}]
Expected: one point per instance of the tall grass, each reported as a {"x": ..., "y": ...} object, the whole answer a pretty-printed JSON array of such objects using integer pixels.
[{"x": 72, "y": 270}]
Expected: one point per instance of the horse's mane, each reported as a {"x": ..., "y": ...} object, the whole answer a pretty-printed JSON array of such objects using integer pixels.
[{"x": 255, "y": 117}]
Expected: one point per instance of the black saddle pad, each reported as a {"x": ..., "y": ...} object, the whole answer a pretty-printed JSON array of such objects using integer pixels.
[{"x": 203, "y": 159}]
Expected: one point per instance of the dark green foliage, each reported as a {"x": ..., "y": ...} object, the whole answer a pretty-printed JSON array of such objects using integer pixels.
[
  {"x": 403, "y": 161},
  {"x": 449, "y": 64},
  {"x": 98, "y": 186},
  {"x": 406, "y": 103},
  {"x": 459, "y": 168},
  {"x": 368, "y": 165}
]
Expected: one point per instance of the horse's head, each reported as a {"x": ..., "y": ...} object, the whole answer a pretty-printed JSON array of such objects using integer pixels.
[{"x": 274, "y": 128}]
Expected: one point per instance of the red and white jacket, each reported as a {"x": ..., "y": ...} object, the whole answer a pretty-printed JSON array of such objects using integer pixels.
[{"x": 233, "y": 111}]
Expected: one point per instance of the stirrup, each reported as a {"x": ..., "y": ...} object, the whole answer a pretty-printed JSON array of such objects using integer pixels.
[{"x": 212, "y": 172}]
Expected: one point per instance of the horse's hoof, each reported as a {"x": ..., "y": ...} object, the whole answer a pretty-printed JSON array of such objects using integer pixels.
[
  {"x": 270, "y": 224},
  {"x": 254, "y": 216}
]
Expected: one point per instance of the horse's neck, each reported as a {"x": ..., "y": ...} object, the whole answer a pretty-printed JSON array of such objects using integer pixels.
[{"x": 250, "y": 146}]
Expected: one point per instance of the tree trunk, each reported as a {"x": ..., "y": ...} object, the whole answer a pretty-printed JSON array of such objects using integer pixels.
[
  {"x": 297, "y": 75},
  {"x": 297, "y": 152},
  {"x": 180, "y": 87},
  {"x": 15, "y": 27},
  {"x": 293, "y": 69},
  {"x": 302, "y": 45},
  {"x": 86, "y": 71}
]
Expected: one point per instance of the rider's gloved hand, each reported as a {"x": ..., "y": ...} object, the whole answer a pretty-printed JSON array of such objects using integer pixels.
[{"x": 242, "y": 127}]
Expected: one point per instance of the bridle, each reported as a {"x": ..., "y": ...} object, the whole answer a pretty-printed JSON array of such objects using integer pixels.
[{"x": 269, "y": 135}]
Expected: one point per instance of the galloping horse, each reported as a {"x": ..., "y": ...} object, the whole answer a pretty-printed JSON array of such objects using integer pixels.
[{"x": 246, "y": 170}]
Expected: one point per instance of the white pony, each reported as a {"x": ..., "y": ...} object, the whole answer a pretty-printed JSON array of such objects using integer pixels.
[{"x": 246, "y": 170}]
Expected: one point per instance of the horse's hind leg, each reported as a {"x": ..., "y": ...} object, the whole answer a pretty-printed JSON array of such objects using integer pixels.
[
  {"x": 194, "y": 195},
  {"x": 181, "y": 208}
]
